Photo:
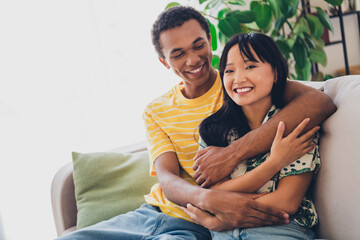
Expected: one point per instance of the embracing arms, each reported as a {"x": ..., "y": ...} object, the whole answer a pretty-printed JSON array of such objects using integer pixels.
[
  {"x": 215, "y": 163},
  {"x": 283, "y": 152},
  {"x": 231, "y": 209}
]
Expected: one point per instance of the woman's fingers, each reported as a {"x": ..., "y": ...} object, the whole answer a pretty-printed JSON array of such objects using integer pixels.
[
  {"x": 299, "y": 128},
  {"x": 280, "y": 131},
  {"x": 309, "y": 134}
]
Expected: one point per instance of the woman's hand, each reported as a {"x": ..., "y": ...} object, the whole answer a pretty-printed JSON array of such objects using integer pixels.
[{"x": 286, "y": 150}]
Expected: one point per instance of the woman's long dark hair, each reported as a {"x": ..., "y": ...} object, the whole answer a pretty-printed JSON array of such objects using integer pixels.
[{"x": 215, "y": 128}]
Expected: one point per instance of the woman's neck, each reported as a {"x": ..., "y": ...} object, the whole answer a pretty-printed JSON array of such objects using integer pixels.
[{"x": 256, "y": 113}]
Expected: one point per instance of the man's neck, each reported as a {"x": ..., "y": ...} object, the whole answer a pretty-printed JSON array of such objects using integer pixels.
[{"x": 191, "y": 91}]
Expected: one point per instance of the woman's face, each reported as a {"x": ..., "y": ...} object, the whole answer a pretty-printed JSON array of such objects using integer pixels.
[{"x": 248, "y": 83}]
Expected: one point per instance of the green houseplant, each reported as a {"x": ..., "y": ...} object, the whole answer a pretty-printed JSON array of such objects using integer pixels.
[{"x": 296, "y": 32}]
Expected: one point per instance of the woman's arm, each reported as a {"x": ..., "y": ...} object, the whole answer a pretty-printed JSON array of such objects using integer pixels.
[
  {"x": 215, "y": 163},
  {"x": 283, "y": 152},
  {"x": 289, "y": 194}
]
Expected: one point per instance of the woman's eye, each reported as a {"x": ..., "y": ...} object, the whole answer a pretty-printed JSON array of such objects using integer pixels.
[
  {"x": 228, "y": 71},
  {"x": 250, "y": 67}
]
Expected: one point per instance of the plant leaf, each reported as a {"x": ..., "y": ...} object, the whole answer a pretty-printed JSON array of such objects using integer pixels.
[
  {"x": 213, "y": 4},
  {"x": 275, "y": 8},
  {"x": 318, "y": 55},
  {"x": 202, "y": 1},
  {"x": 215, "y": 61},
  {"x": 229, "y": 26},
  {"x": 334, "y": 2},
  {"x": 288, "y": 7},
  {"x": 284, "y": 48},
  {"x": 262, "y": 15},
  {"x": 222, "y": 13},
  {"x": 236, "y": 2},
  {"x": 253, "y": 4},
  {"x": 309, "y": 41},
  {"x": 302, "y": 26},
  {"x": 299, "y": 53},
  {"x": 279, "y": 23},
  {"x": 303, "y": 73},
  {"x": 213, "y": 36},
  {"x": 324, "y": 19},
  {"x": 315, "y": 25},
  {"x": 172, "y": 4},
  {"x": 245, "y": 16}
]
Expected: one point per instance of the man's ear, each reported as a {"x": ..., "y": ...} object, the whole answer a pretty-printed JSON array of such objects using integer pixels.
[{"x": 163, "y": 61}]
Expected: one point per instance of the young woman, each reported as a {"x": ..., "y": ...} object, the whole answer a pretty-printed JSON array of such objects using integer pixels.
[{"x": 254, "y": 74}]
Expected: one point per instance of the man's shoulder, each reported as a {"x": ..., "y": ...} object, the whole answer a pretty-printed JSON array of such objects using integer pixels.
[{"x": 165, "y": 100}]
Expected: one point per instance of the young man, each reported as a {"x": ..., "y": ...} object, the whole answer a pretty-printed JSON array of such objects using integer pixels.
[{"x": 182, "y": 40}]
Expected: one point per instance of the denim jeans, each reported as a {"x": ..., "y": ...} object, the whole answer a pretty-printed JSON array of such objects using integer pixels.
[
  {"x": 281, "y": 232},
  {"x": 145, "y": 223}
]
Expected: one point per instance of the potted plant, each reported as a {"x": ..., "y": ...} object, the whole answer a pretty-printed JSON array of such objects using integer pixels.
[{"x": 296, "y": 31}]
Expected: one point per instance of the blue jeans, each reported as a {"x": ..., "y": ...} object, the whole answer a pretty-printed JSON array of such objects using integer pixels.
[
  {"x": 145, "y": 223},
  {"x": 280, "y": 232}
]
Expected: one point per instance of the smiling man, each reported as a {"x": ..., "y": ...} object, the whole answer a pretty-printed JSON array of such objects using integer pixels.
[{"x": 182, "y": 40}]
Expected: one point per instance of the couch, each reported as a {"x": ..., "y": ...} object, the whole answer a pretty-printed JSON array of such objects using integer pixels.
[{"x": 335, "y": 190}]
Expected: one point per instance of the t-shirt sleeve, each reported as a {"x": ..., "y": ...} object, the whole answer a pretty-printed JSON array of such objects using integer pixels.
[
  {"x": 158, "y": 141},
  {"x": 309, "y": 162}
]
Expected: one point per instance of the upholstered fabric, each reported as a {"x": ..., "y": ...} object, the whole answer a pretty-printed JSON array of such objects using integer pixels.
[
  {"x": 108, "y": 184},
  {"x": 336, "y": 192}
]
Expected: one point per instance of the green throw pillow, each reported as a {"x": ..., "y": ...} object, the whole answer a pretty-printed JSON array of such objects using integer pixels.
[{"x": 108, "y": 184}]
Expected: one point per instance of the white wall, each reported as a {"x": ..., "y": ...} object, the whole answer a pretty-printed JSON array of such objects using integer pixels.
[
  {"x": 335, "y": 52},
  {"x": 74, "y": 76}
]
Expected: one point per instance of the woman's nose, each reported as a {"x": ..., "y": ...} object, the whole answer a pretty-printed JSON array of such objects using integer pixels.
[{"x": 239, "y": 78}]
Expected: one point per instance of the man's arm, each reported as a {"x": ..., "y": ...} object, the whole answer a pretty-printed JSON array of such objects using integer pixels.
[
  {"x": 213, "y": 164},
  {"x": 233, "y": 209}
]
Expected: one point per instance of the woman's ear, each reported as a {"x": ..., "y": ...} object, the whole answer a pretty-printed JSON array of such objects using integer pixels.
[
  {"x": 275, "y": 76},
  {"x": 163, "y": 61}
]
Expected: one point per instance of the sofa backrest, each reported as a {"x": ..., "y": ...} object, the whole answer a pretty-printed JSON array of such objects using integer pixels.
[{"x": 336, "y": 192}]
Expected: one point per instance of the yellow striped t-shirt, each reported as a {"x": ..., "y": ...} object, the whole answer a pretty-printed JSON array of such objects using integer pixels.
[{"x": 172, "y": 126}]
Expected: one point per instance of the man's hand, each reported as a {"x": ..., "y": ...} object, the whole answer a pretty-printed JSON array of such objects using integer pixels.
[
  {"x": 228, "y": 210},
  {"x": 213, "y": 164},
  {"x": 204, "y": 218}
]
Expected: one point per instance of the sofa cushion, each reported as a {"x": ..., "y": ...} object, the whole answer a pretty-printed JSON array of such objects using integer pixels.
[
  {"x": 108, "y": 184},
  {"x": 336, "y": 192}
]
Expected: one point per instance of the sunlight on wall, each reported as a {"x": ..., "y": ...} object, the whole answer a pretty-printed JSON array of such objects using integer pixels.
[{"x": 75, "y": 76}]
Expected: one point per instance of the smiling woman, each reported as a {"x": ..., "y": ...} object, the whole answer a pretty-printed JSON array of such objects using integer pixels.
[{"x": 74, "y": 83}]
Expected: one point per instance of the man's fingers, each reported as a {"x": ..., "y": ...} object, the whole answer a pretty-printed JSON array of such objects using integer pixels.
[
  {"x": 267, "y": 212},
  {"x": 280, "y": 131},
  {"x": 197, "y": 173},
  {"x": 199, "y": 154},
  {"x": 206, "y": 183},
  {"x": 200, "y": 179},
  {"x": 299, "y": 128}
]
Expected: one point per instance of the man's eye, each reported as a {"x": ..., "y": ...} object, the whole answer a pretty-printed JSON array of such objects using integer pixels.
[
  {"x": 199, "y": 46},
  {"x": 178, "y": 55}
]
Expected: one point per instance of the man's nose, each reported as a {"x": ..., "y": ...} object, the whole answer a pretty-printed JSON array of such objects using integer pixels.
[{"x": 192, "y": 59}]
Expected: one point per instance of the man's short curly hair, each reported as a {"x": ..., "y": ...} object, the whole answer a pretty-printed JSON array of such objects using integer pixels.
[{"x": 175, "y": 17}]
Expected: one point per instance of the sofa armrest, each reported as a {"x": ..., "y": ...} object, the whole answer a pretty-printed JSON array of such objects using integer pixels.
[{"x": 63, "y": 199}]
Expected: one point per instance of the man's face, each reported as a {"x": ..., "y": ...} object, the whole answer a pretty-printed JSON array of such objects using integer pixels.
[{"x": 187, "y": 52}]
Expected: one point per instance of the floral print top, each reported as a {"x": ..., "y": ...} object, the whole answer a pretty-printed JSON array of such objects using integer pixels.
[{"x": 306, "y": 215}]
